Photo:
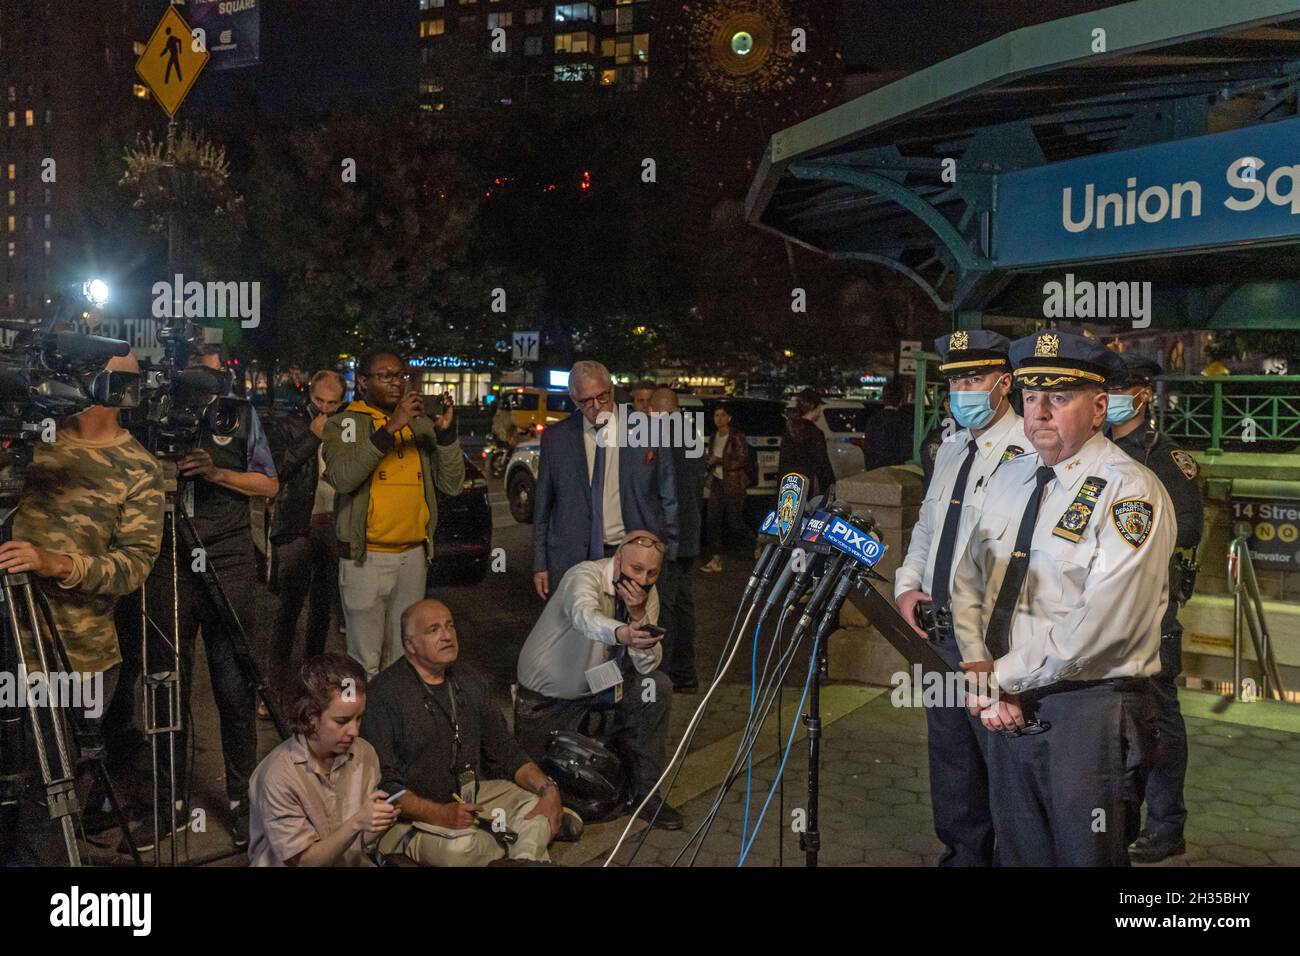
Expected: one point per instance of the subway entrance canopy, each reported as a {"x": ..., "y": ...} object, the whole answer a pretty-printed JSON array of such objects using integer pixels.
[{"x": 1153, "y": 141}]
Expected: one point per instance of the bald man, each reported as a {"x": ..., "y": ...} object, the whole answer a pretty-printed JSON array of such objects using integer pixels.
[
  {"x": 676, "y": 587},
  {"x": 444, "y": 745},
  {"x": 596, "y": 647},
  {"x": 88, "y": 527}
]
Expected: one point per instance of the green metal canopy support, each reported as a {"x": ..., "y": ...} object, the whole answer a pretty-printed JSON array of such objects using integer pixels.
[{"x": 869, "y": 181}]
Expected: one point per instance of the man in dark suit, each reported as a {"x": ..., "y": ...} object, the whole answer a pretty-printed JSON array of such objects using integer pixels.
[
  {"x": 676, "y": 589},
  {"x": 592, "y": 488}
]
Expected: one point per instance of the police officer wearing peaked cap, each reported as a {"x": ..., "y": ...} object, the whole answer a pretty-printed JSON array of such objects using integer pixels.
[
  {"x": 1056, "y": 604},
  {"x": 979, "y": 382},
  {"x": 1132, "y": 428}
]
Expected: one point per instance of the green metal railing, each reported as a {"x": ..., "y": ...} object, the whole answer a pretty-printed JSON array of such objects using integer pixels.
[
  {"x": 1199, "y": 410},
  {"x": 1196, "y": 410}
]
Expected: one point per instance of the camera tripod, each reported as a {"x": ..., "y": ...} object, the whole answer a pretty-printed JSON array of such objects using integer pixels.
[
  {"x": 21, "y": 618},
  {"x": 162, "y": 711}
]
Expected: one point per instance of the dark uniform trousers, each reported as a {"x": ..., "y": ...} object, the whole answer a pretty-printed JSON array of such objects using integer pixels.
[
  {"x": 1163, "y": 783},
  {"x": 640, "y": 725},
  {"x": 677, "y": 615},
  {"x": 1071, "y": 796},
  {"x": 235, "y": 698},
  {"x": 959, "y": 776},
  {"x": 308, "y": 573}
]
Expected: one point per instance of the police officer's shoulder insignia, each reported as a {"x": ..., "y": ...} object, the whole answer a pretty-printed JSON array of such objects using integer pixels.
[
  {"x": 1010, "y": 452},
  {"x": 1133, "y": 518},
  {"x": 1185, "y": 462}
]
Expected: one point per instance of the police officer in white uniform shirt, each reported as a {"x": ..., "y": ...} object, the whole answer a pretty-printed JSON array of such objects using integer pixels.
[
  {"x": 979, "y": 383},
  {"x": 1057, "y": 604}
]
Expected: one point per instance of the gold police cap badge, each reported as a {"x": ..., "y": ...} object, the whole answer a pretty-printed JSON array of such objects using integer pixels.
[
  {"x": 1047, "y": 346},
  {"x": 960, "y": 341}
]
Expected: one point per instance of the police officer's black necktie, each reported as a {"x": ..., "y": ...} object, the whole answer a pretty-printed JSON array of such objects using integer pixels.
[
  {"x": 997, "y": 637},
  {"x": 948, "y": 537}
]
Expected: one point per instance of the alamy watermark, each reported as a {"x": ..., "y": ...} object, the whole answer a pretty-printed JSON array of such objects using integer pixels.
[
  {"x": 1085, "y": 299},
  {"x": 179, "y": 299},
  {"x": 81, "y": 691},
  {"x": 922, "y": 688},
  {"x": 630, "y": 429}
]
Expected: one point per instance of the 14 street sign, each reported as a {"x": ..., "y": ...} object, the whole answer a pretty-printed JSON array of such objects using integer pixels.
[{"x": 172, "y": 61}]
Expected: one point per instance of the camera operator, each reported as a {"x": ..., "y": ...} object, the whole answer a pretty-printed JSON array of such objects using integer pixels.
[
  {"x": 216, "y": 480},
  {"x": 88, "y": 527}
]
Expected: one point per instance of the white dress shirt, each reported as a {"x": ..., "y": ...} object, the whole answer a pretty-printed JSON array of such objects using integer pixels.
[
  {"x": 1090, "y": 609},
  {"x": 1004, "y": 439},
  {"x": 612, "y": 509},
  {"x": 576, "y": 633}
]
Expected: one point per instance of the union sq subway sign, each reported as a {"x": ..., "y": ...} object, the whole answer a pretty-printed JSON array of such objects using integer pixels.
[{"x": 1211, "y": 191}]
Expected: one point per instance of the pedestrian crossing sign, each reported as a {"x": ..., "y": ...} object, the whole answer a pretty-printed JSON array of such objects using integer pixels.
[{"x": 172, "y": 61}]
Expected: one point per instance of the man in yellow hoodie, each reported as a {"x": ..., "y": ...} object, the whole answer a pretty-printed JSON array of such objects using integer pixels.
[{"x": 386, "y": 460}]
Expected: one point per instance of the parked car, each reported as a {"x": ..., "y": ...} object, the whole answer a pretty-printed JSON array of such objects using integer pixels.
[
  {"x": 843, "y": 421},
  {"x": 523, "y": 411},
  {"x": 463, "y": 543}
]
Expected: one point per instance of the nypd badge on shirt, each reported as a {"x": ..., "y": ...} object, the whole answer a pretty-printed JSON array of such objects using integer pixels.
[{"x": 1133, "y": 518}]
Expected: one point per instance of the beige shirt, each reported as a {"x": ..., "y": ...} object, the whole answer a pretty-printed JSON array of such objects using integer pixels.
[
  {"x": 293, "y": 806},
  {"x": 613, "y": 503}
]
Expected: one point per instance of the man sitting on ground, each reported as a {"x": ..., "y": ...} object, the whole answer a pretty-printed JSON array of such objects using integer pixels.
[{"x": 442, "y": 740}]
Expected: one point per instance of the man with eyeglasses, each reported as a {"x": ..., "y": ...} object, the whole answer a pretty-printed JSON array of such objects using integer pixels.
[
  {"x": 386, "y": 460},
  {"x": 596, "y": 648},
  {"x": 591, "y": 489},
  {"x": 1056, "y": 605},
  {"x": 302, "y": 531}
]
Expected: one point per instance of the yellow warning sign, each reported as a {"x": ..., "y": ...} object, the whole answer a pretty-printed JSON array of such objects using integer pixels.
[{"x": 172, "y": 61}]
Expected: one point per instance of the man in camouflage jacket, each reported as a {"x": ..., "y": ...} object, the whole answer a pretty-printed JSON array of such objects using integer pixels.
[{"x": 89, "y": 527}]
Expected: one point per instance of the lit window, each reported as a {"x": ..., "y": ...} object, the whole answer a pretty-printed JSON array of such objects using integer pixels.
[
  {"x": 13, "y": 94},
  {"x": 47, "y": 247},
  {"x": 432, "y": 4},
  {"x": 13, "y": 223},
  {"x": 575, "y": 43},
  {"x": 534, "y": 15},
  {"x": 623, "y": 20},
  {"x": 572, "y": 12},
  {"x": 13, "y": 171},
  {"x": 49, "y": 117},
  {"x": 573, "y": 72},
  {"x": 432, "y": 28},
  {"x": 13, "y": 197},
  {"x": 466, "y": 3},
  {"x": 504, "y": 19},
  {"x": 641, "y": 47},
  {"x": 47, "y": 220},
  {"x": 29, "y": 117},
  {"x": 608, "y": 77},
  {"x": 607, "y": 47},
  {"x": 532, "y": 46},
  {"x": 13, "y": 119},
  {"x": 140, "y": 91},
  {"x": 13, "y": 249}
]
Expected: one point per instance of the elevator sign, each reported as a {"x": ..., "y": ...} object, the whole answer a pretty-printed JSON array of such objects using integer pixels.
[
  {"x": 1274, "y": 531},
  {"x": 172, "y": 60}
]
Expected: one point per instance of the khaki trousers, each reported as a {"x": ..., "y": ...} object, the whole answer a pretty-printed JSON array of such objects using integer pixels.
[{"x": 437, "y": 846}]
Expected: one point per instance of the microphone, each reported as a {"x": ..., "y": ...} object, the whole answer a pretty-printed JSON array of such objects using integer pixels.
[
  {"x": 81, "y": 348},
  {"x": 785, "y": 524},
  {"x": 811, "y": 554}
]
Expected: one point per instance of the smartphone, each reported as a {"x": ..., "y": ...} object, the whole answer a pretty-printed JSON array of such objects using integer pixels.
[
  {"x": 653, "y": 629},
  {"x": 392, "y": 801}
]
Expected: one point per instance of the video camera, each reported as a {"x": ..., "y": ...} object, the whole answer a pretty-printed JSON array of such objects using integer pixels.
[
  {"x": 47, "y": 373},
  {"x": 178, "y": 403}
]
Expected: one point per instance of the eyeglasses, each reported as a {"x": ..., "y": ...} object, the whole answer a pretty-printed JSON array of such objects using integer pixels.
[
  {"x": 388, "y": 377},
  {"x": 1031, "y": 728},
  {"x": 645, "y": 542},
  {"x": 600, "y": 399}
]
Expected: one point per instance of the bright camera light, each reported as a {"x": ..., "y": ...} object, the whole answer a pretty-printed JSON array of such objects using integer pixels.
[{"x": 96, "y": 290}]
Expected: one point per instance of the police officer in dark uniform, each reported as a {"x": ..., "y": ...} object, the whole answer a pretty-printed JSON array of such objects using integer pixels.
[
  {"x": 231, "y": 463},
  {"x": 1132, "y": 428}
]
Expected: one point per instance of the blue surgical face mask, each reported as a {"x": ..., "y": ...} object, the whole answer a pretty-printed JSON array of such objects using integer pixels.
[
  {"x": 1120, "y": 408},
  {"x": 972, "y": 409}
]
